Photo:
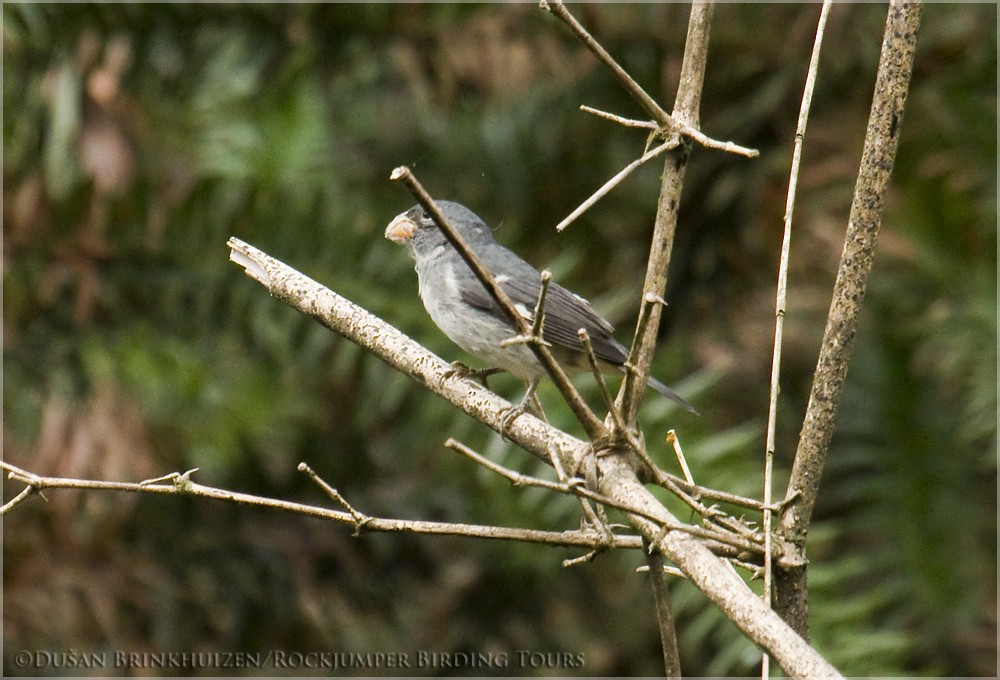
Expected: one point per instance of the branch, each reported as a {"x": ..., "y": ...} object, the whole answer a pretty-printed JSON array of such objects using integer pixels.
[
  {"x": 403, "y": 353},
  {"x": 712, "y": 576},
  {"x": 558, "y": 9},
  {"x": 664, "y": 615},
  {"x": 667, "y": 123},
  {"x": 633, "y": 388},
  {"x": 181, "y": 484},
  {"x": 699, "y": 492},
  {"x": 779, "y": 311},
  {"x": 615, "y": 181},
  {"x": 731, "y": 540},
  {"x": 878, "y": 155},
  {"x": 618, "y": 480},
  {"x": 621, "y": 120}
]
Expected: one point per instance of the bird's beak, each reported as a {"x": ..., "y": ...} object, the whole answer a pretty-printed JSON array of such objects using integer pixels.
[{"x": 401, "y": 229}]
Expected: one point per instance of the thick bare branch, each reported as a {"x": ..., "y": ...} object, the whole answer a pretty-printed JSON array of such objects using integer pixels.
[
  {"x": 618, "y": 481},
  {"x": 686, "y": 109},
  {"x": 877, "y": 157},
  {"x": 403, "y": 353},
  {"x": 712, "y": 576}
]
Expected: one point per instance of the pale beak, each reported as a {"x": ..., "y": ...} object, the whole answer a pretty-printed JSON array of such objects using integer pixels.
[{"x": 401, "y": 229}]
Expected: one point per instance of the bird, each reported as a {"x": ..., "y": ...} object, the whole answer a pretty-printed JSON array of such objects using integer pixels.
[{"x": 460, "y": 305}]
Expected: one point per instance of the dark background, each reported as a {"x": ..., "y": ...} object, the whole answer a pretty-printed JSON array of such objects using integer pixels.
[{"x": 137, "y": 138}]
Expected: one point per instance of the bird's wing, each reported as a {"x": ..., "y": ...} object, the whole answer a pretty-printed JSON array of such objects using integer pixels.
[{"x": 565, "y": 312}]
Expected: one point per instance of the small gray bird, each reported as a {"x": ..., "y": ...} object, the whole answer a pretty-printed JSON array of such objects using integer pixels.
[{"x": 462, "y": 307}]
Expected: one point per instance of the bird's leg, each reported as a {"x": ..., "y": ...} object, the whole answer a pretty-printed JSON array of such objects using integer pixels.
[
  {"x": 480, "y": 374},
  {"x": 534, "y": 337},
  {"x": 521, "y": 407}
]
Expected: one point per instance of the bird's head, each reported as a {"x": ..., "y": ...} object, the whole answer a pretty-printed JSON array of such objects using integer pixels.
[{"x": 417, "y": 229}]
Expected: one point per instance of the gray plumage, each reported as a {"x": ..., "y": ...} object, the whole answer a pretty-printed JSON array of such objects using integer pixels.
[{"x": 465, "y": 311}]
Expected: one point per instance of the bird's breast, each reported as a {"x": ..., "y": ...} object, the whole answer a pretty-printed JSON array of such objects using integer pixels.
[{"x": 476, "y": 331}]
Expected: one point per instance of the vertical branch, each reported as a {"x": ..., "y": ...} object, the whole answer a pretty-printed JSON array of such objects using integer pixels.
[
  {"x": 780, "y": 304},
  {"x": 664, "y": 613},
  {"x": 686, "y": 108},
  {"x": 694, "y": 64},
  {"x": 881, "y": 141}
]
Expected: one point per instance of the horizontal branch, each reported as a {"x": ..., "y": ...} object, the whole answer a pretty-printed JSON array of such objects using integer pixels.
[
  {"x": 732, "y": 540},
  {"x": 621, "y": 120},
  {"x": 181, "y": 484}
]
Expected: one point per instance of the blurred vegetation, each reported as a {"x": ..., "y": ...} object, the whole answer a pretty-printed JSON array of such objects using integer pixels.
[{"x": 138, "y": 137}]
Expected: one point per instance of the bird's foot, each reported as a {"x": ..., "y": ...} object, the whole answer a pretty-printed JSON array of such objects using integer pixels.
[
  {"x": 528, "y": 402},
  {"x": 480, "y": 374},
  {"x": 512, "y": 414}
]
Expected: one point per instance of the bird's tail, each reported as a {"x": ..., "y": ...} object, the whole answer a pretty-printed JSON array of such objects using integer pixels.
[{"x": 670, "y": 394}]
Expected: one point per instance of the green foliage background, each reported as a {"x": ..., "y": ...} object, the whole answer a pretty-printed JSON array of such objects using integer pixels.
[{"x": 138, "y": 137}]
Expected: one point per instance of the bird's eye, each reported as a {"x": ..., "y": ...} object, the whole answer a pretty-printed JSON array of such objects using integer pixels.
[{"x": 426, "y": 220}]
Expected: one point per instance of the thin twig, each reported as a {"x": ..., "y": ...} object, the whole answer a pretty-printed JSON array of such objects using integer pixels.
[
  {"x": 563, "y": 486},
  {"x": 582, "y": 559},
  {"x": 538, "y": 317},
  {"x": 524, "y": 480},
  {"x": 737, "y": 526},
  {"x": 675, "y": 442},
  {"x": 669, "y": 483},
  {"x": 591, "y": 423},
  {"x": 171, "y": 477},
  {"x": 602, "y": 385},
  {"x": 700, "y": 492},
  {"x": 615, "y": 181},
  {"x": 13, "y": 502},
  {"x": 877, "y": 158},
  {"x": 534, "y": 336},
  {"x": 664, "y": 615},
  {"x": 666, "y": 121},
  {"x": 519, "y": 479},
  {"x": 180, "y": 486},
  {"x": 650, "y": 301},
  {"x": 609, "y": 402},
  {"x": 621, "y": 120},
  {"x": 780, "y": 307},
  {"x": 667, "y": 569},
  {"x": 649, "y": 104},
  {"x": 709, "y": 143},
  {"x": 360, "y": 519},
  {"x": 756, "y": 571}
]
